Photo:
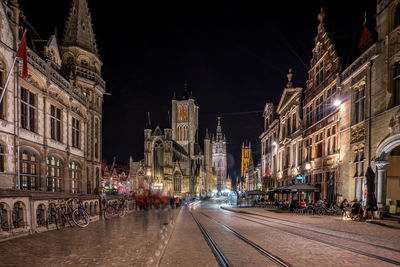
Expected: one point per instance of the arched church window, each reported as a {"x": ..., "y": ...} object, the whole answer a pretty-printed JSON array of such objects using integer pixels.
[
  {"x": 185, "y": 113},
  {"x": 54, "y": 171},
  {"x": 41, "y": 215},
  {"x": 177, "y": 182},
  {"x": 186, "y": 133},
  {"x": 179, "y": 113}
]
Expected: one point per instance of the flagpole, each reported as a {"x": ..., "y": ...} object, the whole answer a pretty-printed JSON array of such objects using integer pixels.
[
  {"x": 18, "y": 132},
  {"x": 8, "y": 78}
]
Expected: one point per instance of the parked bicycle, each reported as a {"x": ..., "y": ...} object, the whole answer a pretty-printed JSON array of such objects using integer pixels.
[
  {"x": 65, "y": 213},
  {"x": 116, "y": 209}
]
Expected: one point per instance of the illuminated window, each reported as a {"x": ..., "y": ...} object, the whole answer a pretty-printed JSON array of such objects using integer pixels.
[
  {"x": 75, "y": 176},
  {"x": 29, "y": 170},
  {"x": 54, "y": 171},
  {"x": 186, "y": 133},
  {"x": 319, "y": 73},
  {"x": 359, "y": 103}
]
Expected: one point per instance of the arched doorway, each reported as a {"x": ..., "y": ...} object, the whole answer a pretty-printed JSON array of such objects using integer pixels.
[{"x": 387, "y": 174}]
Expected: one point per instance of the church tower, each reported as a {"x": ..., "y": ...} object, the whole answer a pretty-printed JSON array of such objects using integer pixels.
[
  {"x": 185, "y": 121},
  {"x": 219, "y": 157},
  {"x": 247, "y": 167},
  {"x": 82, "y": 65}
]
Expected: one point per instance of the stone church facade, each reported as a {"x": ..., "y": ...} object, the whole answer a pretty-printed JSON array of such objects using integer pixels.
[
  {"x": 174, "y": 161},
  {"x": 59, "y": 117}
]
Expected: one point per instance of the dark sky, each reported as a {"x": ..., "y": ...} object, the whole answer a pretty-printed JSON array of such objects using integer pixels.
[{"x": 233, "y": 59}]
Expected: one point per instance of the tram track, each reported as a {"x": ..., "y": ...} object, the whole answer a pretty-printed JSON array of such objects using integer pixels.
[
  {"x": 221, "y": 258},
  {"x": 319, "y": 232},
  {"x": 347, "y": 248}
]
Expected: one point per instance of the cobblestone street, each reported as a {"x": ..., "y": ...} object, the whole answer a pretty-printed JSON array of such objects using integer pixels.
[{"x": 138, "y": 239}]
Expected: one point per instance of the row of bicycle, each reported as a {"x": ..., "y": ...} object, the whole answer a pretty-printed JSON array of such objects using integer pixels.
[
  {"x": 315, "y": 209},
  {"x": 70, "y": 212}
]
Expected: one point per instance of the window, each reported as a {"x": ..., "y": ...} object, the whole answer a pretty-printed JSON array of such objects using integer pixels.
[
  {"x": 397, "y": 17},
  {"x": 75, "y": 133},
  {"x": 2, "y": 158},
  {"x": 359, "y": 172},
  {"x": 75, "y": 175},
  {"x": 319, "y": 73},
  {"x": 308, "y": 145},
  {"x": 299, "y": 154},
  {"x": 289, "y": 126},
  {"x": 294, "y": 155},
  {"x": 84, "y": 64},
  {"x": 70, "y": 60},
  {"x": 319, "y": 108},
  {"x": 331, "y": 136},
  {"x": 186, "y": 133},
  {"x": 318, "y": 145},
  {"x": 309, "y": 116},
  {"x": 29, "y": 171},
  {"x": 179, "y": 113},
  {"x": 287, "y": 158},
  {"x": 28, "y": 109},
  {"x": 294, "y": 123},
  {"x": 2, "y": 84},
  {"x": 359, "y": 103},
  {"x": 53, "y": 171},
  {"x": 96, "y": 139},
  {"x": 55, "y": 123},
  {"x": 330, "y": 98},
  {"x": 185, "y": 113}
]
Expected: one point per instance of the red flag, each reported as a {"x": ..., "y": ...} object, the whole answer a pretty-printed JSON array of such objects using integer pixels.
[{"x": 23, "y": 54}]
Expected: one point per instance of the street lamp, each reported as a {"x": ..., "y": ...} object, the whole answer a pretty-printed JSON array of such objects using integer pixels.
[
  {"x": 308, "y": 166},
  {"x": 337, "y": 103}
]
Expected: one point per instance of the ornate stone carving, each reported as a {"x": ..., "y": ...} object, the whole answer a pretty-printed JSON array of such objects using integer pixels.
[
  {"x": 358, "y": 134},
  {"x": 394, "y": 125}
]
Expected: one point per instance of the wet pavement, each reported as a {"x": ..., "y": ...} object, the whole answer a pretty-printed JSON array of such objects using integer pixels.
[
  {"x": 133, "y": 240},
  {"x": 141, "y": 239}
]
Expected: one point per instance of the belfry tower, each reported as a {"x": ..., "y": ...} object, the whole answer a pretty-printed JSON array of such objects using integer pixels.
[
  {"x": 82, "y": 65},
  {"x": 219, "y": 161}
]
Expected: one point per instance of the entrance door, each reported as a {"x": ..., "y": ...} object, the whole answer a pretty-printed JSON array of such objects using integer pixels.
[{"x": 393, "y": 180}]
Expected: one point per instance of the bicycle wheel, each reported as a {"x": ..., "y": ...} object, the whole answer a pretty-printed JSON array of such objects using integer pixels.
[
  {"x": 80, "y": 218},
  {"x": 109, "y": 213},
  {"x": 122, "y": 212}
]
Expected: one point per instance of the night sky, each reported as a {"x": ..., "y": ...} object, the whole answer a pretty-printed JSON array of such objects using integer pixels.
[{"x": 233, "y": 59}]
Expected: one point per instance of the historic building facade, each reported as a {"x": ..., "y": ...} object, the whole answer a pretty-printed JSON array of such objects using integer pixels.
[
  {"x": 174, "y": 161},
  {"x": 219, "y": 162},
  {"x": 320, "y": 115},
  {"x": 247, "y": 168},
  {"x": 269, "y": 147},
  {"x": 289, "y": 148},
  {"x": 53, "y": 118}
]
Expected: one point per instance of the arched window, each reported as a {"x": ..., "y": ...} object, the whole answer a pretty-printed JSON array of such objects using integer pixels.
[
  {"x": 179, "y": 113},
  {"x": 54, "y": 174},
  {"x": 2, "y": 158},
  {"x": 186, "y": 133},
  {"x": 158, "y": 159},
  {"x": 75, "y": 175},
  {"x": 177, "y": 182},
  {"x": 179, "y": 133},
  {"x": 18, "y": 215},
  {"x": 185, "y": 113},
  {"x": 29, "y": 170},
  {"x": 4, "y": 215},
  {"x": 41, "y": 215}
]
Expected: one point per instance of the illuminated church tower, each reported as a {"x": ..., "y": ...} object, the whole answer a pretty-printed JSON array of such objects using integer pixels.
[
  {"x": 219, "y": 157},
  {"x": 247, "y": 168}
]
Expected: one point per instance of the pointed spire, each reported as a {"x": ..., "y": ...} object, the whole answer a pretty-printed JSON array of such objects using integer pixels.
[
  {"x": 290, "y": 77},
  {"x": 79, "y": 28},
  {"x": 219, "y": 130},
  {"x": 321, "y": 16},
  {"x": 207, "y": 136},
  {"x": 148, "y": 121}
]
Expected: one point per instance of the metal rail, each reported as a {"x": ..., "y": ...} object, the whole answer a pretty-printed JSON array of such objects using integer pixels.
[
  {"x": 264, "y": 252},
  {"x": 222, "y": 260},
  {"x": 328, "y": 243},
  {"x": 322, "y": 233}
]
